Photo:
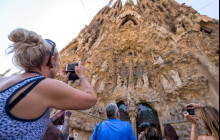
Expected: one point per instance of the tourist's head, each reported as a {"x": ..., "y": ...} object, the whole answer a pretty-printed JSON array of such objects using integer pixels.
[
  {"x": 209, "y": 118},
  {"x": 170, "y": 132},
  {"x": 31, "y": 51},
  {"x": 153, "y": 134},
  {"x": 112, "y": 111}
]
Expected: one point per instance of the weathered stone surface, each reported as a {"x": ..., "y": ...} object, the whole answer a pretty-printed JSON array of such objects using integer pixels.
[{"x": 157, "y": 52}]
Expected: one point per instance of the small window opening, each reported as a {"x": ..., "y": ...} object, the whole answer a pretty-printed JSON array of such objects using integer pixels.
[
  {"x": 184, "y": 27},
  {"x": 75, "y": 48},
  {"x": 143, "y": 6},
  {"x": 206, "y": 31},
  {"x": 101, "y": 22}
]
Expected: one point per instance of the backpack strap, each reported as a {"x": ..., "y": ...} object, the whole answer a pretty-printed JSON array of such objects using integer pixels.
[
  {"x": 23, "y": 94},
  {"x": 97, "y": 130}
]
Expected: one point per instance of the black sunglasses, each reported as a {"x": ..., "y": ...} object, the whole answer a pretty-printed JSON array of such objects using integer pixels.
[{"x": 52, "y": 50}]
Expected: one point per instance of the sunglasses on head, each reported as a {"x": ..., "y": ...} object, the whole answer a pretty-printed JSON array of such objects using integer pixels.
[{"x": 52, "y": 50}]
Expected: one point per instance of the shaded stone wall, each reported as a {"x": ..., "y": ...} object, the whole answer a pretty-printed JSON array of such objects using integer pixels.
[{"x": 157, "y": 52}]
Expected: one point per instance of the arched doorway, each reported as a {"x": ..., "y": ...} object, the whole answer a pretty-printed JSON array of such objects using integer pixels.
[
  {"x": 146, "y": 117},
  {"x": 124, "y": 116}
]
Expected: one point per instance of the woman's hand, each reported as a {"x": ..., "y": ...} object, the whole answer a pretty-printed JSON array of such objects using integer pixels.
[
  {"x": 194, "y": 106},
  {"x": 57, "y": 115},
  {"x": 191, "y": 119},
  {"x": 64, "y": 76},
  {"x": 80, "y": 72},
  {"x": 141, "y": 135},
  {"x": 68, "y": 113}
]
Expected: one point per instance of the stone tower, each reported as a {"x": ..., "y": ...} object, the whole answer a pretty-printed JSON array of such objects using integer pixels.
[{"x": 151, "y": 58}]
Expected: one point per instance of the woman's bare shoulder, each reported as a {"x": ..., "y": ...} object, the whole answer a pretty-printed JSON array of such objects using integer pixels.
[
  {"x": 51, "y": 86},
  {"x": 53, "y": 82},
  {"x": 205, "y": 137}
]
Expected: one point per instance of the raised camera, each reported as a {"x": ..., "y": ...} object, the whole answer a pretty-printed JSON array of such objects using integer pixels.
[
  {"x": 190, "y": 111},
  {"x": 71, "y": 68}
]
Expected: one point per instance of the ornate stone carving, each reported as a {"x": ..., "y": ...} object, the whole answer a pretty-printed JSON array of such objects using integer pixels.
[
  {"x": 146, "y": 81},
  {"x": 177, "y": 48},
  {"x": 157, "y": 59},
  {"x": 166, "y": 84},
  {"x": 176, "y": 78},
  {"x": 94, "y": 80}
]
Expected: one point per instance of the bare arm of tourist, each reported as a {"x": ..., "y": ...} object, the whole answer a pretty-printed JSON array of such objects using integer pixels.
[
  {"x": 204, "y": 137},
  {"x": 194, "y": 130},
  {"x": 58, "y": 114},
  {"x": 65, "y": 128},
  {"x": 59, "y": 95}
]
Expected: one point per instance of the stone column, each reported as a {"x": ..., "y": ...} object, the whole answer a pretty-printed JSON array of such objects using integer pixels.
[{"x": 132, "y": 111}]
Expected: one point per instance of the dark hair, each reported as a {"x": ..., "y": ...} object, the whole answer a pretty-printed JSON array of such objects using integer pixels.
[
  {"x": 170, "y": 132},
  {"x": 153, "y": 134}
]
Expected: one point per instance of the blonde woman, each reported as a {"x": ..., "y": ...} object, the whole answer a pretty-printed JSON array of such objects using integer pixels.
[
  {"x": 25, "y": 99},
  {"x": 208, "y": 117}
]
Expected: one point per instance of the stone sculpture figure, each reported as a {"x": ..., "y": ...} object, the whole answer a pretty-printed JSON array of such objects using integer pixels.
[
  {"x": 146, "y": 81},
  {"x": 94, "y": 80},
  {"x": 176, "y": 78},
  {"x": 139, "y": 83},
  {"x": 157, "y": 59},
  {"x": 166, "y": 84}
]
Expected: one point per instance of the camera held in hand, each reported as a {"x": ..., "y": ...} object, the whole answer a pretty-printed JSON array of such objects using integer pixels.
[
  {"x": 71, "y": 68},
  {"x": 190, "y": 111}
]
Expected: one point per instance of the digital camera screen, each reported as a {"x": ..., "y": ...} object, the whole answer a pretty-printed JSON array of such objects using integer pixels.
[{"x": 71, "y": 66}]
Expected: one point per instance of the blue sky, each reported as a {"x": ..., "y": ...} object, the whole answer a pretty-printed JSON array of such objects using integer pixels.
[{"x": 62, "y": 20}]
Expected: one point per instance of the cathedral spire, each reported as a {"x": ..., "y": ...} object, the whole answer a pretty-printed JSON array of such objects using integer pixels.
[
  {"x": 117, "y": 5},
  {"x": 130, "y": 1},
  {"x": 110, "y": 3}
]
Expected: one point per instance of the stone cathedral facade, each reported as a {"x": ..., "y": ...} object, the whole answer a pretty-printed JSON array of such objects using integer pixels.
[{"x": 151, "y": 59}]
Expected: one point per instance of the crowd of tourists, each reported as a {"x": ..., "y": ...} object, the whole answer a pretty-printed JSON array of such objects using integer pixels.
[{"x": 26, "y": 100}]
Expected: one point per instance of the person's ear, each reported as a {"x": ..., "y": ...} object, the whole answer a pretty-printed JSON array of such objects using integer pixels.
[{"x": 52, "y": 62}]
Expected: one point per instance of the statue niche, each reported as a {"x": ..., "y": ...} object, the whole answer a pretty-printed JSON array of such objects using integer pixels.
[
  {"x": 138, "y": 79},
  {"x": 123, "y": 77},
  {"x": 139, "y": 71}
]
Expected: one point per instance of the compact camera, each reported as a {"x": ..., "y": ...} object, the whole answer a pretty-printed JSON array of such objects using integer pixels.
[
  {"x": 190, "y": 111},
  {"x": 71, "y": 68}
]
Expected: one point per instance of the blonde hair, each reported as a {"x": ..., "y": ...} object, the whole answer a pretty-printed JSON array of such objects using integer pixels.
[
  {"x": 210, "y": 117},
  {"x": 29, "y": 49}
]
